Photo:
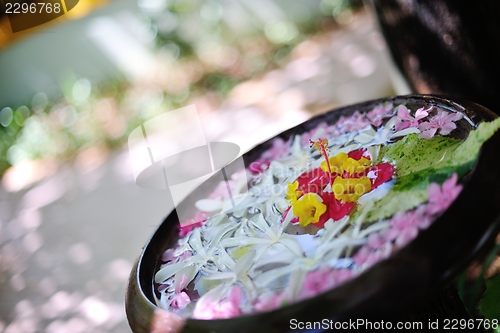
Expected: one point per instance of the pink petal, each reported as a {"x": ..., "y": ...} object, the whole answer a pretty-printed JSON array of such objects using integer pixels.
[
  {"x": 450, "y": 182},
  {"x": 428, "y": 134},
  {"x": 182, "y": 300},
  {"x": 235, "y": 296},
  {"x": 406, "y": 236},
  {"x": 403, "y": 113},
  {"x": 426, "y": 126},
  {"x": 434, "y": 192},
  {"x": 447, "y": 128},
  {"x": 422, "y": 113},
  {"x": 454, "y": 116},
  {"x": 401, "y": 125}
]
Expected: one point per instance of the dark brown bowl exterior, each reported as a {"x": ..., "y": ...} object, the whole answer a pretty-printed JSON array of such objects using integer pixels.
[{"x": 389, "y": 289}]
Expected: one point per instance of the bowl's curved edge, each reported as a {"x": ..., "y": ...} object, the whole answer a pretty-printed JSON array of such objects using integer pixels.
[{"x": 339, "y": 299}]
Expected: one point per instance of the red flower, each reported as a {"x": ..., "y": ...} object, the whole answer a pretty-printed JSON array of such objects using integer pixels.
[
  {"x": 313, "y": 181},
  {"x": 335, "y": 209}
]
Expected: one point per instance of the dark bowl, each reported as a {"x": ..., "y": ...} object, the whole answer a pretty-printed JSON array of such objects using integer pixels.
[{"x": 390, "y": 288}]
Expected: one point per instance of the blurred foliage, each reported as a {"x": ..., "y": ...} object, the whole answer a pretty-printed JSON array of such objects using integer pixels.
[
  {"x": 479, "y": 287},
  {"x": 489, "y": 302},
  {"x": 206, "y": 47}
]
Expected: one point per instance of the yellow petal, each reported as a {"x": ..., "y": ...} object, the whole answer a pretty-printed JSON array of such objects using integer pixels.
[{"x": 350, "y": 189}]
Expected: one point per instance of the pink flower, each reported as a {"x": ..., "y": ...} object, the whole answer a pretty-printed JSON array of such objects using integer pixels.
[
  {"x": 361, "y": 256},
  {"x": 180, "y": 301},
  {"x": 279, "y": 149},
  {"x": 404, "y": 226},
  {"x": 404, "y": 119},
  {"x": 317, "y": 281},
  {"x": 377, "y": 115},
  {"x": 222, "y": 309},
  {"x": 258, "y": 166},
  {"x": 440, "y": 198},
  {"x": 352, "y": 123},
  {"x": 443, "y": 121},
  {"x": 270, "y": 301},
  {"x": 375, "y": 240},
  {"x": 323, "y": 279},
  {"x": 367, "y": 257},
  {"x": 343, "y": 275},
  {"x": 406, "y": 236},
  {"x": 194, "y": 222}
]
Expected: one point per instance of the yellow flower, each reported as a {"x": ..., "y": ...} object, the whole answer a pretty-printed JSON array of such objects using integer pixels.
[
  {"x": 335, "y": 163},
  {"x": 308, "y": 209},
  {"x": 292, "y": 194},
  {"x": 350, "y": 189},
  {"x": 353, "y": 166}
]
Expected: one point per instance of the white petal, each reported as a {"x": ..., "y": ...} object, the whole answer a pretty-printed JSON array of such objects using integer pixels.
[
  {"x": 244, "y": 264},
  {"x": 267, "y": 277},
  {"x": 365, "y": 137},
  {"x": 168, "y": 271},
  {"x": 280, "y": 258},
  {"x": 292, "y": 245},
  {"x": 406, "y": 131}
]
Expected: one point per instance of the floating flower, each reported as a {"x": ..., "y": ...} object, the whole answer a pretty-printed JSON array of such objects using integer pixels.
[
  {"x": 271, "y": 301},
  {"x": 404, "y": 120},
  {"x": 195, "y": 222},
  {"x": 292, "y": 194},
  {"x": 377, "y": 115},
  {"x": 222, "y": 309},
  {"x": 440, "y": 198},
  {"x": 259, "y": 166},
  {"x": 280, "y": 148},
  {"x": 335, "y": 209},
  {"x": 335, "y": 162},
  {"x": 443, "y": 121},
  {"x": 317, "y": 281},
  {"x": 180, "y": 301},
  {"x": 352, "y": 166},
  {"x": 384, "y": 134},
  {"x": 308, "y": 209},
  {"x": 352, "y": 123},
  {"x": 353, "y": 162},
  {"x": 350, "y": 189}
]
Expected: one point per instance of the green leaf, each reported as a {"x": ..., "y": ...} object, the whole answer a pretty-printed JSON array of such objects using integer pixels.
[
  {"x": 413, "y": 154},
  {"x": 393, "y": 202},
  {"x": 490, "y": 302},
  {"x": 469, "y": 149},
  {"x": 422, "y": 161}
]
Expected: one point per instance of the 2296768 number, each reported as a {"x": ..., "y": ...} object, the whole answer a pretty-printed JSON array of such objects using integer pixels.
[
  {"x": 40, "y": 7},
  {"x": 461, "y": 324}
]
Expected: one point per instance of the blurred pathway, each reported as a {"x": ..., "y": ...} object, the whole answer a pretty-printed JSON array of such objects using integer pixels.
[{"x": 69, "y": 234}]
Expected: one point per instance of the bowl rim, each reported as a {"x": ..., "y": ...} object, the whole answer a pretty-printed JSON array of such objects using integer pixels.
[{"x": 376, "y": 293}]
